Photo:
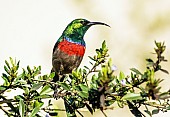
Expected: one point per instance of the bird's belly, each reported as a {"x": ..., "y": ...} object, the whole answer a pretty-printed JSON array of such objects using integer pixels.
[
  {"x": 67, "y": 57},
  {"x": 62, "y": 62},
  {"x": 71, "y": 48}
]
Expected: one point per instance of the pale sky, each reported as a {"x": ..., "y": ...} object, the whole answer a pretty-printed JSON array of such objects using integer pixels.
[{"x": 30, "y": 28}]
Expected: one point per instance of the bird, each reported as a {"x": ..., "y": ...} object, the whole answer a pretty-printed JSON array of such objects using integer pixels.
[
  {"x": 69, "y": 49},
  {"x": 68, "y": 53}
]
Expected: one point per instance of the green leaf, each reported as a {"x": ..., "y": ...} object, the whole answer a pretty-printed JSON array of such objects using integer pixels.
[
  {"x": 44, "y": 96},
  {"x": 19, "y": 97},
  {"x": 168, "y": 108},
  {"x": 158, "y": 44},
  {"x": 2, "y": 88},
  {"x": 38, "y": 103},
  {"x": 155, "y": 111},
  {"x": 149, "y": 60},
  {"x": 26, "y": 90},
  {"x": 94, "y": 78},
  {"x": 65, "y": 86},
  {"x": 136, "y": 71},
  {"x": 9, "y": 104},
  {"x": 165, "y": 71},
  {"x": 121, "y": 76},
  {"x": 91, "y": 63},
  {"x": 89, "y": 108},
  {"x": 120, "y": 104},
  {"x": 74, "y": 73},
  {"x": 134, "y": 110},
  {"x": 21, "y": 108},
  {"x": 36, "y": 86},
  {"x": 148, "y": 112},
  {"x": 17, "y": 65},
  {"x": 104, "y": 44},
  {"x": 53, "y": 114},
  {"x": 152, "y": 78},
  {"x": 7, "y": 70},
  {"x": 84, "y": 87},
  {"x": 6, "y": 62},
  {"x": 76, "y": 87},
  {"x": 6, "y": 79},
  {"x": 91, "y": 59},
  {"x": 98, "y": 51},
  {"x": 86, "y": 67},
  {"x": 45, "y": 90},
  {"x": 34, "y": 111},
  {"x": 132, "y": 96},
  {"x": 83, "y": 94},
  {"x": 164, "y": 94},
  {"x": 52, "y": 75},
  {"x": 11, "y": 60},
  {"x": 29, "y": 69}
]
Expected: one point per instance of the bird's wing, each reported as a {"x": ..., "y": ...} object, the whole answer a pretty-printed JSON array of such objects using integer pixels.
[{"x": 56, "y": 44}]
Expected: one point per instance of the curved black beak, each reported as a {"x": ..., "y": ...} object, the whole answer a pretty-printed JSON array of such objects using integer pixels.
[{"x": 97, "y": 23}]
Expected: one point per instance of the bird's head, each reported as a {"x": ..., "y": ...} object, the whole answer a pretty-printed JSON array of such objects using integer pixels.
[{"x": 78, "y": 27}]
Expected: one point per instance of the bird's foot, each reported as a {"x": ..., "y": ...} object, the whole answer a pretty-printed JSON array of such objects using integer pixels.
[{"x": 55, "y": 95}]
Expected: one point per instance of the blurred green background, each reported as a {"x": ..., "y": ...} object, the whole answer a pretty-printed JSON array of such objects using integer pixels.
[{"x": 30, "y": 28}]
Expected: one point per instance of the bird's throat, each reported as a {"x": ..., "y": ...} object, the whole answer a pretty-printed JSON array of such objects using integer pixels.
[{"x": 76, "y": 41}]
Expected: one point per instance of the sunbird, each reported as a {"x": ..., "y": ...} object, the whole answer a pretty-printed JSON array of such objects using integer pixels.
[
  {"x": 69, "y": 49},
  {"x": 68, "y": 53}
]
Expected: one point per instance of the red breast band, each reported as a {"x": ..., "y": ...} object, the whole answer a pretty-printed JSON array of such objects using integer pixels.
[{"x": 72, "y": 48}]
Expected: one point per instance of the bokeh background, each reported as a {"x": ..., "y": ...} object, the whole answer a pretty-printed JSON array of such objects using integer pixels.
[{"x": 30, "y": 28}]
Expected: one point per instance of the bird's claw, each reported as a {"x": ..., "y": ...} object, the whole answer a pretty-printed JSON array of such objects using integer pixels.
[{"x": 55, "y": 95}]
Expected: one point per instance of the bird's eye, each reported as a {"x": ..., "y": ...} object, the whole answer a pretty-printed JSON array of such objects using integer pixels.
[{"x": 82, "y": 22}]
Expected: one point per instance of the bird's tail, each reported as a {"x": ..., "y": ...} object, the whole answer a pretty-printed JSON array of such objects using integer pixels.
[{"x": 70, "y": 107}]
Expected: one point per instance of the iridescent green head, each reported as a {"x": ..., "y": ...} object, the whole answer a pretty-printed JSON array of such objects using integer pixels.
[{"x": 78, "y": 27}]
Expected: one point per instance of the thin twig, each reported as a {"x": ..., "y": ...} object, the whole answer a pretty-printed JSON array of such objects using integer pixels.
[{"x": 49, "y": 109}]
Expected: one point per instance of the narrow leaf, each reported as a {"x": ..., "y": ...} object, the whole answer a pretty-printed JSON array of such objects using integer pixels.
[
  {"x": 89, "y": 108},
  {"x": 38, "y": 103},
  {"x": 83, "y": 94},
  {"x": 155, "y": 111},
  {"x": 52, "y": 75},
  {"x": 86, "y": 67},
  {"x": 2, "y": 88},
  {"x": 168, "y": 108},
  {"x": 132, "y": 96},
  {"x": 150, "y": 60},
  {"x": 83, "y": 87},
  {"x": 19, "y": 97},
  {"x": 12, "y": 61},
  {"x": 21, "y": 108},
  {"x": 65, "y": 86},
  {"x": 52, "y": 114},
  {"x": 36, "y": 86},
  {"x": 148, "y": 112},
  {"x": 121, "y": 76},
  {"x": 17, "y": 65},
  {"x": 91, "y": 63},
  {"x": 44, "y": 96},
  {"x": 35, "y": 111},
  {"x": 104, "y": 44},
  {"x": 29, "y": 69},
  {"x": 134, "y": 110},
  {"x": 6, "y": 62},
  {"x": 45, "y": 90},
  {"x": 6, "y": 79},
  {"x": 165, "y": 71},
  {"x": 91, "y": 58},
  {"x": 6, "y": 69},
  {"x": 136, "y": 71}
]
